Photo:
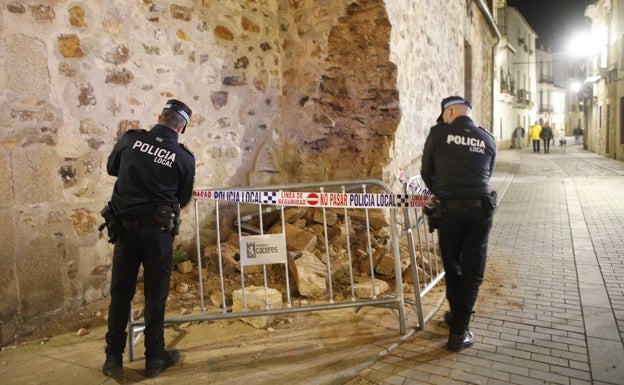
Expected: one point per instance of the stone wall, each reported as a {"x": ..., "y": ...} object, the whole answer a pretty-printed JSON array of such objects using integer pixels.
[
  {"x": 281, "y": 90},
  {"x": 428, "y": 44}
]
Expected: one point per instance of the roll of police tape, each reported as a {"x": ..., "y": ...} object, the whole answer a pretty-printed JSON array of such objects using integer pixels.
[{"x": 316, "y": 199}]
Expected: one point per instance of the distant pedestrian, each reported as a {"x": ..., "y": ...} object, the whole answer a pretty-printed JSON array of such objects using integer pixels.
[
  {"x": 562, "y": 138},
  {"x": 458, "y": 174},
  {"x": 578, "y": 132},
  {"x": 534, "y": 135},
  {"x": 547, "y": 135},
  {"x": 518, "y": 134}
]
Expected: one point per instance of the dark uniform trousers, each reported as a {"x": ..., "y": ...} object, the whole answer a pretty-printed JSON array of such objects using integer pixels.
[
  {"x": 141, "y": 242},
  {"x": 463, "y": 237}
]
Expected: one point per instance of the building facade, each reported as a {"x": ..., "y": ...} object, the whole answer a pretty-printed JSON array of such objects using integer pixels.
[
  {"x": 516, "y": 74},
  {"x": 551, "y": 94},
  {"x": 604, "y": 96}
]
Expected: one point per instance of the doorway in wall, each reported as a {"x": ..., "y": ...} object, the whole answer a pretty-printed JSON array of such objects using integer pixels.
[
  {"x": 608, "y": 132},
  {"x": 622, "y": 120}
]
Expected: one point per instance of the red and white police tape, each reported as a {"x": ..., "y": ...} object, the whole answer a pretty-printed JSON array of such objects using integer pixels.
[{"x": 317, "y": 199}]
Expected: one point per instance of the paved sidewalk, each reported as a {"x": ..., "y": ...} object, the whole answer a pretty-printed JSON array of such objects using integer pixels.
[
  {"x": 551, "y": 310},
  {"x": 330, "y": 346}
]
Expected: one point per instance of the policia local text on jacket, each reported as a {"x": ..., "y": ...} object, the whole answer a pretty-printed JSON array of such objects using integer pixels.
[
  {"x": 155, "y": 176},
  {"x": 457, "y": 163},
  {"x": 151, "y": 168}
]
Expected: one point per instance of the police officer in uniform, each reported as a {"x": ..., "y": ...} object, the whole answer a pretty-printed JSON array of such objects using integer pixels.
[
  {"x": 457, "y": 163},
  {"x": 155, "y": 176}
]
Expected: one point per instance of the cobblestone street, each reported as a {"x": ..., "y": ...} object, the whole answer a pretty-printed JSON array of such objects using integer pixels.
[{"x": 552, "y": 307}]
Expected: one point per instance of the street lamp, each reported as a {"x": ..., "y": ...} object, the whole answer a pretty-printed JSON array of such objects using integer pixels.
[
  {"x": 576, "y": 86},
  {"x": 584, "y": 44}
]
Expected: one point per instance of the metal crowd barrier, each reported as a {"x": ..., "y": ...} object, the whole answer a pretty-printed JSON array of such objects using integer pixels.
[
  {"x": 422, "y": 243},
  {"x": 248, "y": 207}
]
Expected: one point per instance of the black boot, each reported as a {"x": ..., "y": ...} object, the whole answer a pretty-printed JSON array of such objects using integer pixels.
[
  {"x": 457, "y": 342},
  {"x": 113, "y": 366},
  {"x": 155, "y": 366}
]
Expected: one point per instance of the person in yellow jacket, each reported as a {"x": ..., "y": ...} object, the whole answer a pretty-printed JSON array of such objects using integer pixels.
[{"x": 534, "y": 134}]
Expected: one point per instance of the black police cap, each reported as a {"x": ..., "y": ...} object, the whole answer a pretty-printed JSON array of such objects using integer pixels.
[
  {"x": 180, "y": 108},
  {"x": 451, "y": 101}
]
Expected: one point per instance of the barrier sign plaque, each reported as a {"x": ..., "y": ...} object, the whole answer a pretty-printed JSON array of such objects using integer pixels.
[{"x": 263, "y": 249}]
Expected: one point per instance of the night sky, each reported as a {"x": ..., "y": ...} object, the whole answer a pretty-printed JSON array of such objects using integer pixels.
[{"x": 555, "y": 21}]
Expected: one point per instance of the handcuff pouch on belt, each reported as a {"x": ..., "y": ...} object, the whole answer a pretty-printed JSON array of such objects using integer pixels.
[
  {"x": 176, "y": 219},
  {"x": 434, "y": 214},
  {"x": 167, "y": 216},
  {"x": 111, "y": 222},
  {"x": 489, "y": 203}
]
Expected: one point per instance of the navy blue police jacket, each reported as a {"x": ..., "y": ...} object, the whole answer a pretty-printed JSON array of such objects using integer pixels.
[
  {"x": 152, "y": 168},
  {"x": 458, "y": 160}
]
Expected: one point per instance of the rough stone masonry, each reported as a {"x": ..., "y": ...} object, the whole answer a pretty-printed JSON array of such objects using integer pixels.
[{"x": 282, "y": 91}]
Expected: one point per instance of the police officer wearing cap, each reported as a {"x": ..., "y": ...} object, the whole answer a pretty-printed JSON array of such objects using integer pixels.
[
  {"x": 155, "y": 176},
  {"x": 457, "y": 163}
]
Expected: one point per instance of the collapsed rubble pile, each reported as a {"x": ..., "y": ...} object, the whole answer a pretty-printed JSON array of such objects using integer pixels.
[
  {"x": 307, "y": 262},
  {"x": 308, "y": 258}
]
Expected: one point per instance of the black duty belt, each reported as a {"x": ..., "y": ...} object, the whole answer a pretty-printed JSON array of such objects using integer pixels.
[
  {"x": 461, "y": 203},
  {"x": 134, "y": 220}
]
